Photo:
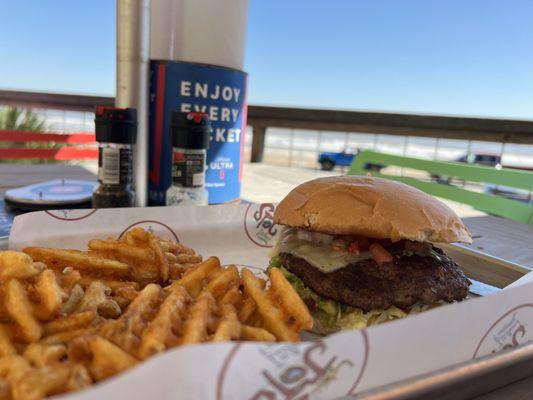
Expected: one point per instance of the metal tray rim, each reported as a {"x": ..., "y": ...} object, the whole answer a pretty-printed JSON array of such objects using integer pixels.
[{"x": 424, "y": 384}]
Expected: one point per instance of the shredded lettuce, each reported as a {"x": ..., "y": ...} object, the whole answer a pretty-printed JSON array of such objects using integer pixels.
[{"x": 331, "y": 316}]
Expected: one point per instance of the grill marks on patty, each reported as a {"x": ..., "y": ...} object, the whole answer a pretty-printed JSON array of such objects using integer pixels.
[{"x": 403, "y": 282}]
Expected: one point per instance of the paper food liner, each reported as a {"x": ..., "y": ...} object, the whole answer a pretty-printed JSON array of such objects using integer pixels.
[{"x": 337, "y": 365}]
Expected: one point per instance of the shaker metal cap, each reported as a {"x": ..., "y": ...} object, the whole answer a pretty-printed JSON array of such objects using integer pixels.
[
  {"x": 190, "y": 130},
  {"x": 115, "y": 125}
]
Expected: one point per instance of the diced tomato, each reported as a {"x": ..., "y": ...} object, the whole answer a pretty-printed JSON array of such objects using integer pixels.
[
  {"x": 379, "y": 253},
  {"x": 354, "y": 247}
]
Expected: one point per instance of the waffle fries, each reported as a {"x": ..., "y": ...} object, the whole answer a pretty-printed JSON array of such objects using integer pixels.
[
  {"x": 71, "y": 318},
  {"x": 138, "y": 256}
]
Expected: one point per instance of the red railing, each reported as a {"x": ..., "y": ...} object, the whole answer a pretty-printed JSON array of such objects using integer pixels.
[{"x": 77, "y": 145}]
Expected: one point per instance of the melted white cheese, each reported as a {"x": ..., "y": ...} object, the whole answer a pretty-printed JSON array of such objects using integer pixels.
[{"x": 319, "y": 255}]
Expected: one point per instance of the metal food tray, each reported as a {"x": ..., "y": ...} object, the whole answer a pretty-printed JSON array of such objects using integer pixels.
[{"x": 471, "y": 378}]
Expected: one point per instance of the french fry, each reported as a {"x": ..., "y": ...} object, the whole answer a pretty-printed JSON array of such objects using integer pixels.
[
  {"x": 272, "y": 317},
  {"x": 113, "y": 284},
  {"x": 256, "y": 334},
  {"x": 229, "y": 327},
  {"x": 185, "y": 258},
  {"x": 142, "y": 306},
  {"x": 290, "y": 301},
  {"x": 41, "y": 382},
  {"x": 78, "y": 350},
  {"x": 76, "y": 294},
  {"x": 68, "y": 278},
  {"x": 70, "y": 322},
  {"x": 247, "y": 309},
  {"x": 64, "y": 337},
  {"x": 79, "y": 378},
  {"x": 108, "y": 359},
  {"x": 220, "y": 285},
  {"x": 232, "y": 296},
  {"x": 40, "y": 355},
  {"x": 126, "y": 331},
  {"x": 6, "y": 345},
  {"x": 170, "y": 257},
  {"x": 97, "y": 298},
  {"x": 50, "y": 293},
  {"x": 136, "y": 236},
  {"x": 160, "y": 260},
  {"x": 5, "y": 390},
  {"x": 124, "y": 250},
  {"x": 168, "y": 247},
  {"x": 175, "y": 271},
  {"x": 60, "y": 259},
  {"x": 13, "y": 367},
  {"x": 14, "y": 264},
  {"x": 195, "y": 327},
  {"x": 157, "y": 334},
  {"x": 175, "y": 247},
  {"x": 193, "y": 279},
  {"x": 124, "y": 296},
  {"x": 20, "y": 310}
]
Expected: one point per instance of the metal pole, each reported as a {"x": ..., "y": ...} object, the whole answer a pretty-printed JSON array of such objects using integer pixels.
[
  {"x": 346, "y": 140},
  {"x": 405, "y": 145},
  {"x": 133, "y": 61},
  {"x": 318, "y": 144},
  {"x": 291, "y": 145},
  {"x": 437, "y": 145}
]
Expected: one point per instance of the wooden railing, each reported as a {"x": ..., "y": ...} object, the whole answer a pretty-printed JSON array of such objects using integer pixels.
[
  {"x": 55, "y": 101},
  {"x": 260, "y": 118},
  {"x": 75, "y": 146}
]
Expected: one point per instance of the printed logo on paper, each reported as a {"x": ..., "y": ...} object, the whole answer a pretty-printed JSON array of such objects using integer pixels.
[
  {"x": 70, "y": 215},
  {"x": 316, "y": 369},
  {"x": 259, "y": 224},
  {"x": 510, "y": 330},
  {"x": 159, "y": 228}
]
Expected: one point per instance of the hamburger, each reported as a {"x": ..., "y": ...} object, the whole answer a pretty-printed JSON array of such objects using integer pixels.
[{"x": 361, "y": 250}]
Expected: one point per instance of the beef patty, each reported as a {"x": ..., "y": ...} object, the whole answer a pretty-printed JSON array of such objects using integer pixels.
[{"x": 403, "y": 282}]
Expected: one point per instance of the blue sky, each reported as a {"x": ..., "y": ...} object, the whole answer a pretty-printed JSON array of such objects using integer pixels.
[{"x": 471, "y": 57}]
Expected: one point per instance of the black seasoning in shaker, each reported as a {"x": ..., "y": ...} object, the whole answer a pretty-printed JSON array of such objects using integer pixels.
[{"x": 116, "y": 133}]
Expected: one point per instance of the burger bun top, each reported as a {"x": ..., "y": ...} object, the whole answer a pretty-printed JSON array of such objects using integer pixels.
[{"x": 370, "y": 207}]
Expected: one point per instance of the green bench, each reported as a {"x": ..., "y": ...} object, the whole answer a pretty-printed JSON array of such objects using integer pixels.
[{"x": 365, "y": 162}]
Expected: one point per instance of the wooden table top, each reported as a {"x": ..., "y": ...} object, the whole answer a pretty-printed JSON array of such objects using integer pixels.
[
  {"x": 503, "y": 238},
  {"x": 14, "y": 175}
]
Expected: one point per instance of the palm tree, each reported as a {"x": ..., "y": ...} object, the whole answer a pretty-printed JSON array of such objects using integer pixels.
[
  {"x": 18, "y": 119},
  {"x": 23, "y": 119}
]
